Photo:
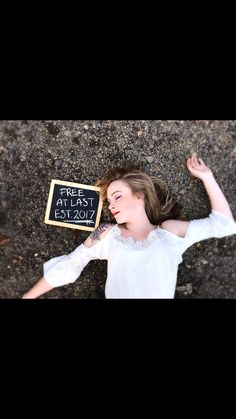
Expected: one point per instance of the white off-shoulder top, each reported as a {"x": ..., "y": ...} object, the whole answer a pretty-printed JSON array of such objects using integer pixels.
[{"x": 138, "y": 269}]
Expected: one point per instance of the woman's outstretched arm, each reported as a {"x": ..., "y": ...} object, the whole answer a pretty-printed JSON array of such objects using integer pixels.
[
  {"x": 67, "y": 268},
  {"x": 40, "y": 288},
  {"x": 198, "y": 169},
  {"x": 218, "y": 201}
]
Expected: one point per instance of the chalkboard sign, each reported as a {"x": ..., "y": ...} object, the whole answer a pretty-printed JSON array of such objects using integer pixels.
[{"x": 73, "y": 205}]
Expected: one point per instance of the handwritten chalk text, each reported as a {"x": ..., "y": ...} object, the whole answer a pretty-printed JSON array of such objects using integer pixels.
[
  {"x": 71, "y": 192},
  {"x": 75, "y": 203},
  {"x": 74, "y": 214}
]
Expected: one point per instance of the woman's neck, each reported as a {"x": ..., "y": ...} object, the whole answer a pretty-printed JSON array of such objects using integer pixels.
[{"x": 142, "y": 227}]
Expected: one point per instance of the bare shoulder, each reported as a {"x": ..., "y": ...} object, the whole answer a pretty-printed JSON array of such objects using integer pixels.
[
  {"x": 177, "y": 227},
  {"x": 101, "y": 231}
]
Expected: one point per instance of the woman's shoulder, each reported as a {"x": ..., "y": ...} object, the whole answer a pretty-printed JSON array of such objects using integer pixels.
[
  {"x": 98, "y": 234},
  {"x": 177, "y": 227}
]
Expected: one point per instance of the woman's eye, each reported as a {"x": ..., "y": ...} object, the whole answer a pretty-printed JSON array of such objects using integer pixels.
[{"x": 117, "y": 197}]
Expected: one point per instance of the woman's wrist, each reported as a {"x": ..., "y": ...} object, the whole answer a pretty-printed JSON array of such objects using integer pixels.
[{"x": 207, "y": 177}]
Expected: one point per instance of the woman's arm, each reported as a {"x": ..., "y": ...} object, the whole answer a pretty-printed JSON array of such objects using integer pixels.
[
  {"x": 198, "y": 169},
  {"x": 66, "y": 270},
  {"x": 41, "y": 287}
]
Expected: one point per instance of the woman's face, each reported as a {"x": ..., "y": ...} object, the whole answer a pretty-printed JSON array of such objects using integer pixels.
[{"x": 123, "y": 204}]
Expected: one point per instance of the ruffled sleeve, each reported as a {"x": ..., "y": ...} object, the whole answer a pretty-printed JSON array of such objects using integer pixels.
[
  {"x": 215, "y": 225},
  {"x": 65, "y": 269}
]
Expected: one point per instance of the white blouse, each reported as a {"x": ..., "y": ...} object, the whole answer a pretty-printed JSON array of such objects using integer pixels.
[{"x": 138, "y": 269}]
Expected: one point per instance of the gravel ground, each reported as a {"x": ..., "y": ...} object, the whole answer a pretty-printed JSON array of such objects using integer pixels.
[{"x": 34, "y": 152}]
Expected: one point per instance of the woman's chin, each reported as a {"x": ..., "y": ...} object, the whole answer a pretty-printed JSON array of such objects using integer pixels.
[{"x": 119, "y": 220}]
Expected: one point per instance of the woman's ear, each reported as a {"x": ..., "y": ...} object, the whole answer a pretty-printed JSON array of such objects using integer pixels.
[{"x": 140, "y": 195}]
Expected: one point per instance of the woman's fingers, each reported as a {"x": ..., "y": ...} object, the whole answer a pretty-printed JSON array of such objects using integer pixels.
[
  {"x": 189, "y": 163},
  {"x": 196, "y": 161},
  {"x": 193, "y": 161}
]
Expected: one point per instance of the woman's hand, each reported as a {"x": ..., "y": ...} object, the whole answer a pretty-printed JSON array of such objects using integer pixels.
[{"x": 197, "y": 168}]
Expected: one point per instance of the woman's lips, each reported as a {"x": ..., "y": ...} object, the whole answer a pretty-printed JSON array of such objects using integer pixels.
[{"x": 115, "y": 213}]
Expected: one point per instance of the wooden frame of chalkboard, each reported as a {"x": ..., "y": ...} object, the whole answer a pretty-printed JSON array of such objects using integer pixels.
[{"x": 73, "y": 205}]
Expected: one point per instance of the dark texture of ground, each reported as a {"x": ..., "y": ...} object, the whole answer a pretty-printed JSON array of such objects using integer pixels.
[{"x": 34, "y": 152}]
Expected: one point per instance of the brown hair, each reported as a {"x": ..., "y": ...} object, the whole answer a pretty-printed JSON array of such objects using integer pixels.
[{"x": 158, "y": 205}]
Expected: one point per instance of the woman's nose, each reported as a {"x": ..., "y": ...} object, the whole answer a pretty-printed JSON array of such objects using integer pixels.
[{"x": 111, "y": 206}]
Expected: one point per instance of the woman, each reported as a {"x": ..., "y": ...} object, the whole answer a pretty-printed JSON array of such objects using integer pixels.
[{"x": 143, "y": 248}]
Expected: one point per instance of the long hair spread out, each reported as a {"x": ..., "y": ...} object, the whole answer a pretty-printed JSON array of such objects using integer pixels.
[{"x": 158, "y": 205}]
